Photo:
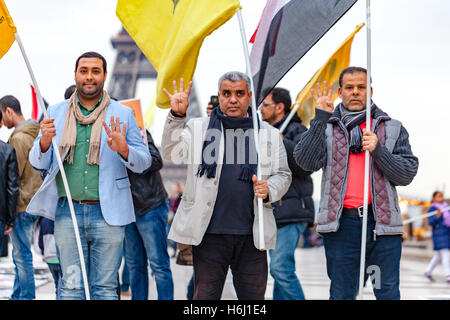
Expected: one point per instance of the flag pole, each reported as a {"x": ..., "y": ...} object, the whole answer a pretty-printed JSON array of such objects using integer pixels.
[
  {"x": 61, "y": 168},
  {"x": 289, "y": 117},
  {"x": 367, "y": 159},
  {"x": 255, "y": 128}
]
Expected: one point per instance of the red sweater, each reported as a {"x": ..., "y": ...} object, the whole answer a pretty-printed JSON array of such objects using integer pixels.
[{"x": 354, "y": 196}]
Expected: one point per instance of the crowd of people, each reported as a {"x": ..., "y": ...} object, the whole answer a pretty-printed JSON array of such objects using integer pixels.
[{"x": 112, "y": 185}]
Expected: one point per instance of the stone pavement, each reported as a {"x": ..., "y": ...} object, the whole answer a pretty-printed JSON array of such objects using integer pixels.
[{"x": 311, "y": 270}]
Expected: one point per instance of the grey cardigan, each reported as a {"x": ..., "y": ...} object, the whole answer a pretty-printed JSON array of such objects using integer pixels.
[{"x": 325, "y": 146}]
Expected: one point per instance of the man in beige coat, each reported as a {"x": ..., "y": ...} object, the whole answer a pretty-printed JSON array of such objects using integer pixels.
[
  {"x": 218, "y": 212},
  {"x": 22, "y": 140}
]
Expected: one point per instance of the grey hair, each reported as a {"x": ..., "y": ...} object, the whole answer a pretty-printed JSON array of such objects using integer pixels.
[{"x": 235, "y": 76}]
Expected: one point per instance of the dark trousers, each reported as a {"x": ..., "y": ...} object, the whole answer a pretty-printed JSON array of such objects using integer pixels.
[
  {"x": 219, "y": 252},
  {"x": 343, "y": 253}
]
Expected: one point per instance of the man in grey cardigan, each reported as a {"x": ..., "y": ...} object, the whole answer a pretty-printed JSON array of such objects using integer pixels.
[{"x": 336, "y": 142}]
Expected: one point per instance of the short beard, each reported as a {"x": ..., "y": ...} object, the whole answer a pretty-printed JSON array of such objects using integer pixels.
[
  {"x": 272, "y": 119},
  {"x": 90, "y": 95}
]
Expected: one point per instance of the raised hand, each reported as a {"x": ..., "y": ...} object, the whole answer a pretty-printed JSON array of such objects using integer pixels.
[
  {"x": 322, "y": 98},
  {"x": 116, "y": 138},
  {"x": 179, "y": 101}
]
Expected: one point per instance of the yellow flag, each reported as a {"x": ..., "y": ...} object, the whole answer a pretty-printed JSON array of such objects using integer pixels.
[
  {"x": 171, "y": 32},
  {"x": 7, "y": 29},
  {"x": 329, "y": 72},
  {"x": 149, "y": 115}
]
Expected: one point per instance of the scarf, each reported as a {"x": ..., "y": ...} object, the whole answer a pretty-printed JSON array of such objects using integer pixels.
[
  {"x": 69, "y": 133},
  {"x": 444, "y": 207},
  {"x": 216, "y": 121},
  {"x": 352, "y": 120}
]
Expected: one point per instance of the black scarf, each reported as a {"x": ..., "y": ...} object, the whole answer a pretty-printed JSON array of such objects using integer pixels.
[
  {"x": 216, "y": 121},
  {"x": 352, "y": 120}
]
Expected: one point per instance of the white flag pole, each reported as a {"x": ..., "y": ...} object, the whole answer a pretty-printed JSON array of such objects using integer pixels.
[
  {"x": 367, "y": 159},
  {"x": 289, "y": 117},
  {"x": 255, "y": 127},
  {"x": 61, "y": 169}
]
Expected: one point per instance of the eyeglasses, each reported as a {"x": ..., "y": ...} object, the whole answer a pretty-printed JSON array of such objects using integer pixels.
[{"x": 265, "y": 104}]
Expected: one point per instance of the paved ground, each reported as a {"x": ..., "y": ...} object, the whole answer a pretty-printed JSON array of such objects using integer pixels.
[{"x": 311, "y": 271}]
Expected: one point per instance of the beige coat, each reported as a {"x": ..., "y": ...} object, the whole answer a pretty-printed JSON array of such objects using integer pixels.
[
  {"x": 183, "y": 145},
  {"x": 22, "y": 140}
]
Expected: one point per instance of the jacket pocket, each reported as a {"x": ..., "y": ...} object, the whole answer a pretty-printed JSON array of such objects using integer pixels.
[
  {"x": 123, "y": 183},
  {"x": 187, "y": 204}
]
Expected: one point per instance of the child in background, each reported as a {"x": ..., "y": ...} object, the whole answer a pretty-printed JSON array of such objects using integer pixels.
[{"x": 441, "y": 235}]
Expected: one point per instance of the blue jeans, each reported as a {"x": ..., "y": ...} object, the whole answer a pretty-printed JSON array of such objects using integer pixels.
[
  {"x": 55, "y": 270},
  {"x": 21, "y": 239},
  {"x": 282, "y": 263},
  {"x": 343, "y": 251},
  {"x": 102, "y": 246},
  {"x": 190, "y": 288},
  {"x": 147, "y": 239},
  {"x": 125, "y": 284}
]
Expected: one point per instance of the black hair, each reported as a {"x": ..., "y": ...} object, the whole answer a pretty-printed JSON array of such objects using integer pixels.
[
  {"x": 91, "y": 54},
  {"x": 69, "y": 91},
  {"x": 435, "y": 194},
  {"x": 10, "y": 102},
  {"x": 1, "y": 116},
  {"x": 281, "y": 95},
  {"x": 351, "y": 70}
]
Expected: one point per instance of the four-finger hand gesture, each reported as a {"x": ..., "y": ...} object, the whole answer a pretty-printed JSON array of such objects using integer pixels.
[
  {"x": 322, "y": 98},
  {"x": 179, "y": 101},
  {"x": 260, "y": 187},
  {"x": 116, "y": 138}
]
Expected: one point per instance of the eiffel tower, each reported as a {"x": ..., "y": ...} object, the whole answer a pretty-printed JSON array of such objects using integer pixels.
[{"x": 131, "y": 65}]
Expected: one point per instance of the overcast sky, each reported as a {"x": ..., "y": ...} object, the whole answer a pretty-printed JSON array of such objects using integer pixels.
[{"x": 410, "y": 66}]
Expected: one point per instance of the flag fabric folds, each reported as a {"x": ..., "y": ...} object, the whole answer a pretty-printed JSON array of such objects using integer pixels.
[
  {"x": 170, "y": 34},
  {"x": 286, "y": 32},
  {"x": 329, "y": 72},
  {"x": 7, "y": 29},
  {"x": 34, "y": 104}
]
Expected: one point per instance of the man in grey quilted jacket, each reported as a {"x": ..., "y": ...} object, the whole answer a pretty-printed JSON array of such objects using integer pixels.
[{"x": 336, "y": 142}]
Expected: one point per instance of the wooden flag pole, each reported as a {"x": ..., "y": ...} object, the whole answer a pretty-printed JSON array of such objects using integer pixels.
[
  {"x": 255, "y": 128},
  {"x": 362, "y": 268},
  {"x": 61, "y": 169}
]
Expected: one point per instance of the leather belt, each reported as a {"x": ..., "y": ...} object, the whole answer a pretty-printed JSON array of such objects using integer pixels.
[
  {"x": 84, "y": 201},
  {"x": 357, "y": 211}
]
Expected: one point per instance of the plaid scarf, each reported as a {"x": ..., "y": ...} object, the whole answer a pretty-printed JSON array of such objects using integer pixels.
[{"x": 352, "y": 120}]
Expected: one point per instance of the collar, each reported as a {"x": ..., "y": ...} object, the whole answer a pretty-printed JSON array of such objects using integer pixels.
[{"x": 83, "y": 107}]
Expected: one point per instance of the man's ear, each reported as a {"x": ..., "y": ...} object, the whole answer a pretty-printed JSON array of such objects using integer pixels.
[
  {"x": 339, "y": 92},
  {"x": 10, "y": 111},
  {"x": 279, "y": 107}
]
